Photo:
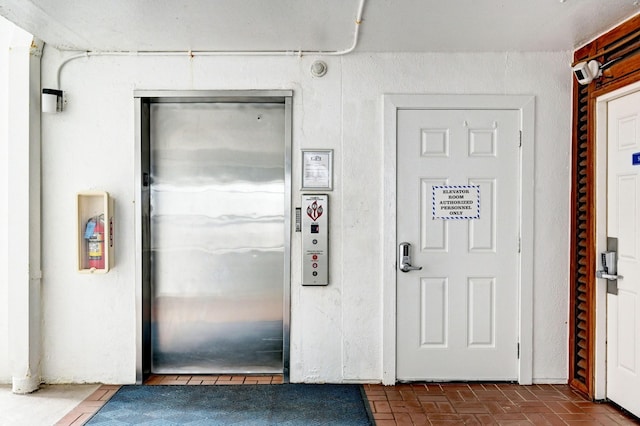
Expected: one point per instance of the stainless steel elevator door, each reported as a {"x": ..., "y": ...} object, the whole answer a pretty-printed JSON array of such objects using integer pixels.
[{"x": 217, "y": 237}]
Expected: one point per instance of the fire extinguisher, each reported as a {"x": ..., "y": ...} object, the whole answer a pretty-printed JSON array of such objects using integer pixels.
[{"x": 94, "y": 234}]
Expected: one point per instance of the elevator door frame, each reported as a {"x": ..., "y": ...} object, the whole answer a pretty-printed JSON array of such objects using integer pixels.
[{"x": 143, "y": 99}]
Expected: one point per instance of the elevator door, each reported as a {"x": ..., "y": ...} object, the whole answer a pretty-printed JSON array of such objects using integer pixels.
[{"x": 217, "y": 237}]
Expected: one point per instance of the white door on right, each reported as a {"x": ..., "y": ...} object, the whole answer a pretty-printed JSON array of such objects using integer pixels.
[{"x": 623, "y": 223}]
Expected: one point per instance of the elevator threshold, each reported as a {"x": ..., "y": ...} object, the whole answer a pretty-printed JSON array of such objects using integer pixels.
[{"x": 221, "y": 379}]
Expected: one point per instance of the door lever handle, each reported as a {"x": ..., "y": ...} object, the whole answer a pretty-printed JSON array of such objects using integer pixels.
[
  {"x": 404, "y": 258},
  {"x": 606, "y": 276},
  {"x": 406, "y": 267}
]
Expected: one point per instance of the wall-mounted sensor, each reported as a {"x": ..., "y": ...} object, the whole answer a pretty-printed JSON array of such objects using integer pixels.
[
  {"x": 586, "y": 72},
  {"x": 51, "y": 100},
  {"x": 318, "y": 68}
]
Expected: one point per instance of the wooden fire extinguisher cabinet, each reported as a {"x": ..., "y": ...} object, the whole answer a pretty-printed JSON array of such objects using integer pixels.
[{"x": 95, "y": 232}]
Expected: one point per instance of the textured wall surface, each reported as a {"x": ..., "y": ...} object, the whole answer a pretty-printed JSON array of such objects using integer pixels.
[
  {"x": 543, "y": 75},
  {"x": 336, "y": 331}
]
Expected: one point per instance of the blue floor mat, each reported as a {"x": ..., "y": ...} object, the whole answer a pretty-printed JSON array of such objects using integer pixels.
[{"x": 287, "y": 404}]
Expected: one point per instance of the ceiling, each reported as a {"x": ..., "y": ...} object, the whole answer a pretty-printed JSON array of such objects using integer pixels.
[{"x": 317, "y": 25}]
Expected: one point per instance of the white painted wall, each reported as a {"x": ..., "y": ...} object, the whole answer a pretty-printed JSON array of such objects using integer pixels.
[
  {"x": 544, "y": 75},
  {"x": 336, "y": 331},
  {"x": 6, "y": 31}
]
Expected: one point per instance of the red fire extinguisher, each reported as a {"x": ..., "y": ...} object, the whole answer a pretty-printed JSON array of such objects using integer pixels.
[{"x": 94, "y": 234}]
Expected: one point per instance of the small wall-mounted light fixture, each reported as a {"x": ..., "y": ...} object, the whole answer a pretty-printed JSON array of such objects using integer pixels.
[
  {"x": 52, "y": 100},
  {"x": 319, "y": 68}
]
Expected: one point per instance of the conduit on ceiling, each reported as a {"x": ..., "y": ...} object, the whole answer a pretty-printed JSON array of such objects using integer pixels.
[{"x": 192, "y": 54}]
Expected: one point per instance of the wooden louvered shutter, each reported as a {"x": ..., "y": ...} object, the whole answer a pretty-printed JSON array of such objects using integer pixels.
[{"x": 623, "y": 44}]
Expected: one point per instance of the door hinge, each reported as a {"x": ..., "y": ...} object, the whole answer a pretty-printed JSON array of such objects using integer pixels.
[
  {"x": 520, "y": 139},
  {"x": 518, "y": 350},
  {"x": 519, "y": 244}
]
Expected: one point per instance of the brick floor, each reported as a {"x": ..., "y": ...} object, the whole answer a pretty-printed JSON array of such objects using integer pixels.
[
  {"x": 214, "y": 380},
  {"x": 426, "y": 404},
  {"x": 487, "y": 404},
  {"x": 87, "y": 408}
]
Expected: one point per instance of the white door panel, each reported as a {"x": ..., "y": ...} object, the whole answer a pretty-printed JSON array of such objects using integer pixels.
[
  {"x": 457, "y": 318},
  {"x": 623, "y": 214}
]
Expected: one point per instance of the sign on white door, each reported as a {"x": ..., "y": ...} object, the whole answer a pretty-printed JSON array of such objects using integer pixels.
[
  {"x": 457, "y": 317},
  {"x": 456, "y": 202}
]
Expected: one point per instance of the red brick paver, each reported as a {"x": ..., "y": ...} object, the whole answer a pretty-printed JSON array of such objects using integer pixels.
[
  {"x": 87, "y": 408},
  {"x": 487, "y": 404}
]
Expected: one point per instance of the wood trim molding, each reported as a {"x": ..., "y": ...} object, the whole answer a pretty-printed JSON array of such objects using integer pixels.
[{"x": 582, "y": 306}]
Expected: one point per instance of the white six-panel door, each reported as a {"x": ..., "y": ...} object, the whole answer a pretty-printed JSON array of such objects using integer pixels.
[
  {"x": 457, "y": 318},
  {"x": 623, "y": 222}
]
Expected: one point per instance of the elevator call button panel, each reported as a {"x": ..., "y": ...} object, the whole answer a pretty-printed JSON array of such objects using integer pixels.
[{"x": 315, "y": 239}]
